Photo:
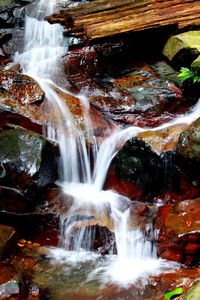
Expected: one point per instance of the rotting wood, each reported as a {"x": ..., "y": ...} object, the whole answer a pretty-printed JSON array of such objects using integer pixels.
[{"x": 102, "y": 18}]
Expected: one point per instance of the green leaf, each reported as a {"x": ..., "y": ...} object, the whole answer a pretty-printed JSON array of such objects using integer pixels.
[
  {"x": 183, "y": 69},
  {"x": 175, "y": 292},
  {"x": 184, "y": 76},
  {"x": 196, "y": 79}
]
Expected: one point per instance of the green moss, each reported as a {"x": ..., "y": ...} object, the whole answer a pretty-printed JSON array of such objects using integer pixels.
[{"x": 186, "y": 40}]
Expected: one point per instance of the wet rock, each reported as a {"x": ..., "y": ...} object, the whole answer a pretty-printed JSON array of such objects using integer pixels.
[
  {"x": 183, "y": 49},
  {"x": 86, "y": 64},
  {"x": 189, "y": 141},
  {"x": 144, "y": 175},
  {"x": 139, "y": 97},
  {"x": 166, "y": 72},
  {"x": 193, "y": 293},
  {"x": 13, "y": 200},
  {"x": 41, "y": 227},
  {"x": 121, "y": 186},
  {"x": 166, "y": 282},
  {"x": 27, "y": 110},
  {"x": 147, "y": 90},
  {"x": 9, "y": 116},
  {"x": 81, "y": 66},
  {"x": 9, "y": 287},
  {"x": 11, "y": 13},
  {"x": 29, "y": 162},
  {"x": 138, "y": 165},
  {"x": 21, "y": 88},
  {"x": 8, "y": 240},
  {"x": 95, "y": 237},
  {"x": 179, "y": 231},
  {"x": 4, "y": 37},
  {"x": 163, "y": 139},
  {"x": 25, "y": 262}
]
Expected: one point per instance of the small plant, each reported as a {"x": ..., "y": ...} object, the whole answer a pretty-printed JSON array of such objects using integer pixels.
[
  {"x": 186, "y": 73},
  {"x": 173, "y": 293}
]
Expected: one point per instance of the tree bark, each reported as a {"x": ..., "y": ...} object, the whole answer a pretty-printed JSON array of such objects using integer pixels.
[{"x": 102, "y": 18}]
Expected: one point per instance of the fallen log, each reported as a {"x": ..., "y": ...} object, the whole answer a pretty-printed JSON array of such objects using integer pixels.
[{"x": 102, "y": 18}]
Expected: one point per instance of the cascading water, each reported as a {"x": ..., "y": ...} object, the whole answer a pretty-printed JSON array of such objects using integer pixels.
[{"x": 136, "y": 256}]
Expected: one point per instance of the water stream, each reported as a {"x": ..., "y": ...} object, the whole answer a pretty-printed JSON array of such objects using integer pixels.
[{"x": 136, "y": 257}]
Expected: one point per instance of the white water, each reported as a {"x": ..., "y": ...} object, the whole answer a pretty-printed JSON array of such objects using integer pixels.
[{"x": 136, "y": 256}]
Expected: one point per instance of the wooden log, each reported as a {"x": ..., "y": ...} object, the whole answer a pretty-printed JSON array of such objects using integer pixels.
[{"x": 102, "y": 18}]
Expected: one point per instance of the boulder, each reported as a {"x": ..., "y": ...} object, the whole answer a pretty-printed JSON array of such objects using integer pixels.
[
  {"x": 137, "y": 165},
  {"x": 8, "y": 241},
  {"x": 143, "y": 174},
  {"x": 182, "y": 49},
  {"x": 28, "y": 164},
  {"x": 140, "y": 97},
  {"x": 178, "y": 231},
  {"x": 83, "y": 66}
]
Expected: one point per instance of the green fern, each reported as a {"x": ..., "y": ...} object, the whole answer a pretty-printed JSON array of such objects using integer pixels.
[{"x": 186, "y": 73}]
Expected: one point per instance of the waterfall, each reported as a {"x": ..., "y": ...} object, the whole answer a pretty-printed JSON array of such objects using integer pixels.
[{"x": 136, "y": 256}]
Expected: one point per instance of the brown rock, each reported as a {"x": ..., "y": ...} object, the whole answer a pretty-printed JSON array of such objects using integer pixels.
[
  {"x": 13, "y": 200},
  {"x": 20, "y": 87},
  {"x": 163, "y": 139},
  {"x": 8, "y": 239}
]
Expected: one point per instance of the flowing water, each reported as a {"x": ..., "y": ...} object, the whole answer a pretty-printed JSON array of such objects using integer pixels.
[{"x": 136, "y": 256}]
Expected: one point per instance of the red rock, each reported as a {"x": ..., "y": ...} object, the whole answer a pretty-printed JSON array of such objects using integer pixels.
[
  {"x": 178, "y": 226},
  {"x": 140, "y": 98},
  {"x": 21, "y": 87},
  {"x": 122, "y": 187},
  {"x": 80, "y": 67}
]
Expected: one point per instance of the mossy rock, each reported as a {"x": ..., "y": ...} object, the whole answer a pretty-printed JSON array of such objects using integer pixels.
[
  {"x": 183, "y": 49},
  {"x": 189, "y": 141},
  {"x": 193, "y": 293}
]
